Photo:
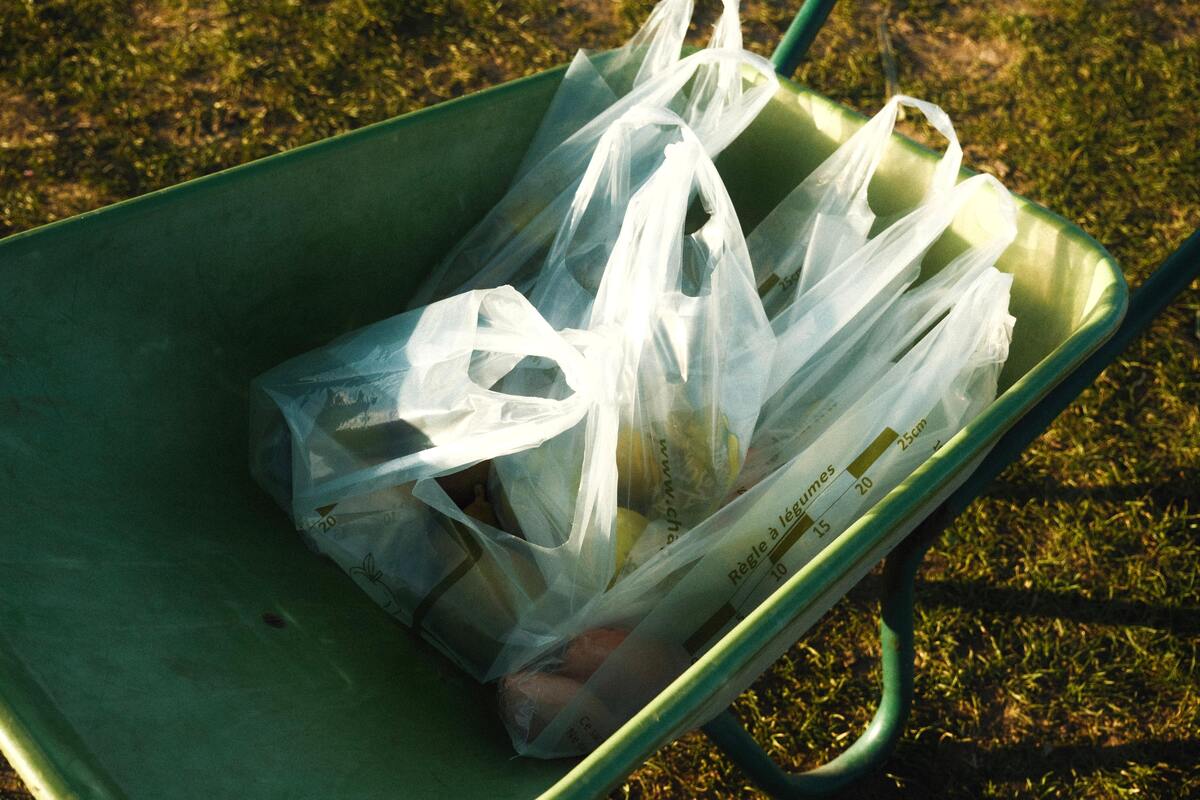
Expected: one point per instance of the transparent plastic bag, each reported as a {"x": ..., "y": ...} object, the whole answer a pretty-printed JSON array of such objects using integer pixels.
[
  {"x": 833, "y": 316},
  {"x": 633, "y": 640},
  {"x": 717, "y": 91},
  {"x": 845, "y": 331},
  {"x": 827, "y": 217},
  {"x": 377, "y": 446},
  {"x": 687, "y": 367}
]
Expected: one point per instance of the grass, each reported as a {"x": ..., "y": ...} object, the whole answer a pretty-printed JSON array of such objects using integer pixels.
[{"x": 1059, "y": 618}]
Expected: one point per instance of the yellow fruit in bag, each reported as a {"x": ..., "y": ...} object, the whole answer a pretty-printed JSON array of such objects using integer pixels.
[{"x": 630, "y": 526}]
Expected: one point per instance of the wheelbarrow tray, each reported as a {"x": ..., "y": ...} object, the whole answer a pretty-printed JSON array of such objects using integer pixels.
[{"x": 163, "y": 632}]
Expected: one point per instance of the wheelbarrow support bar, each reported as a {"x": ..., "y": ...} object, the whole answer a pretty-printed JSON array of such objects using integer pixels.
[{"x": 800, "y": 35}]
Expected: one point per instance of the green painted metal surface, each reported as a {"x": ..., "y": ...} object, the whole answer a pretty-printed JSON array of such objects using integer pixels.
[
  {"x": 799, "y": 35},
  {"x": 138, "y": 559}
]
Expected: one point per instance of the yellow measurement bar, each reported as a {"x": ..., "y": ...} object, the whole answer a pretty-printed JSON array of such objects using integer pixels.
[
  {"x": 710, "y": 628},
  {"x": 790, "y": 537},
  {"x": 874, "y": 450},
  {"x": 768, "y": 284}
]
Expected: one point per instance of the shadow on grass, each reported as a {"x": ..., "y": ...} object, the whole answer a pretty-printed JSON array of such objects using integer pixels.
[
  {"x": 1181, "y": 621},
  {"x": 1012, "y": 761},
  {"x": 965, "y": 769},
  {"x": 1183, "y": 483},
  {"x": 1042, "y": 603}
]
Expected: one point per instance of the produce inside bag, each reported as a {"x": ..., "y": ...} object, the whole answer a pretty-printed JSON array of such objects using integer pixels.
[
  {"x": 654, "y": 621},
  {"x": 691, "y": 348},
  {"x": 377, "y": 446}
]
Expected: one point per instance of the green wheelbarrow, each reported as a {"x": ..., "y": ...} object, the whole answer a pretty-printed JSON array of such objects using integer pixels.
[{"x": 163, "y": 634}]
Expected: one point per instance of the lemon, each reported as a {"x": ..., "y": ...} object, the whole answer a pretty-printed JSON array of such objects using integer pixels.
[
  {"x": 629, "y": 528},
  {"x": 638, "y": 471}
]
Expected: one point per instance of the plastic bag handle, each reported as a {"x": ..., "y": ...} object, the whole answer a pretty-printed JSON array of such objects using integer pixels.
[
  {"x": 661, "y": 36},
  {"x": 519, "y": 331},
  {"x": 672, "y": 80},
  {"x": 878, "y": 132},
  {"x": 893, "y": 251},
  {"x": 686, "y": 165},
  {"x": 828, "y": 214},
  {"x": 611, "y": 146},
  {"x": 945, "y": 174}
]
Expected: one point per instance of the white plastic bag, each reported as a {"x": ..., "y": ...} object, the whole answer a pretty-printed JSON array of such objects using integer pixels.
[
  {"x": 834, "y": 315},
  {"x": 348, "y": 437},
  {"x": 689, "y": 366},
  {"x": 827, "y": 217},
  {"x": 654, "y": 621},
  {"x": 841, "y": 341},
  {"x": 718, "y": 92}
]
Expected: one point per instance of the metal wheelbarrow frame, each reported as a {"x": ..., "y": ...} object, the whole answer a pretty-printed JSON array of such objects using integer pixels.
[{"x": 45, "y": 744}]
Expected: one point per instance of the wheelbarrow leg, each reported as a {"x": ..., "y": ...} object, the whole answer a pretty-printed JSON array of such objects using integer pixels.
[
  {"x": 875, "y": 745},
  {"x": 800, "y": 35}
]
